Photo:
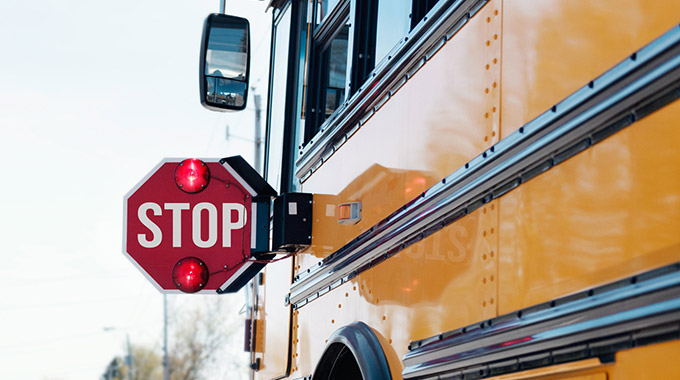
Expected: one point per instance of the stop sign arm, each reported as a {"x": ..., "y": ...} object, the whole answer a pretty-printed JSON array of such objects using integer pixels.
[
  {"x": 239, "y": 168},
  {"x": 262, "y": 195}
]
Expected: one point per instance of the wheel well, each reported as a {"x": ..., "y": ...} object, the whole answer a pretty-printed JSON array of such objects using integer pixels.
[
  {"x": 353, "y": 352},
  {"x": 338, "y": 362}
]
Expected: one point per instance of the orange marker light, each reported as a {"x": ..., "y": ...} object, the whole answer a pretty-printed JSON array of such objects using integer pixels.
[{"x": 349, "y": 213}]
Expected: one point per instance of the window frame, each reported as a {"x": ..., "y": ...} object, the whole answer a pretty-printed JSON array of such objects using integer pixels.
[
  {"x": 293, "y": 88},
  {"x": 363, "y": 42},
  {"x": 278, "y": 16},
  {"x": 322, "y": 36},
  {"x": 307, "y": 40},
  {"x": 442, "y": 20},
  {"x": 419, "y": 8},
  {"x": 362, "y": 16}
]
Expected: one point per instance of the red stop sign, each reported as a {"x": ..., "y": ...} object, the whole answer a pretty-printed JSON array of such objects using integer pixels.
[{"x": 169, "y": 224}]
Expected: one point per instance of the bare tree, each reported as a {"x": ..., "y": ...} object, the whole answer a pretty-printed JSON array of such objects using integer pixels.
[
  {"x": 146, "y": 365},
  {"x": 206, "y": 341},
  {"x": 199, "y": 334}
]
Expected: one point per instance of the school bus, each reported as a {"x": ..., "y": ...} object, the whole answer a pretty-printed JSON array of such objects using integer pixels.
[{"x": 495, "y": 190}]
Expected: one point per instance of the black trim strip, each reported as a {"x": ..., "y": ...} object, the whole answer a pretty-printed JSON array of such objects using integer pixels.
[
  {"x": 641, "y": 84},
  {"x": 277, "y": 4},
  {"x": 333, "y": 22},
  {"x": 637, "y": 311},
  {"x": 293, "y": 87}
]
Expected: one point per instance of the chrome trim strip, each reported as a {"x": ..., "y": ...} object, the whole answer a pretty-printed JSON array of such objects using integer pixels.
[
  {"x": 409, "y": 51},
  {"x": 636, "y": 87},
  {"x": 632, "y": 312}
]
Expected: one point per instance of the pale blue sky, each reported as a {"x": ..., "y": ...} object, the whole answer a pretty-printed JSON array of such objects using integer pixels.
[{"x": 93, "y": 95}]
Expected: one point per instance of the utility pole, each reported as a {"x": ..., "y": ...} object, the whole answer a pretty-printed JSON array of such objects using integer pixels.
[
  {"x": 166, "y": 362},
  {"x": 258, "y": 133},
  {"x": 257, "y": 141},
  {"x": 223, "y": 5}
]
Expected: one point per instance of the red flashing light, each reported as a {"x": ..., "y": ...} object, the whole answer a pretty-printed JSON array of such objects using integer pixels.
[
  {"x": 192, "y": 175},
  {"x": 190, "y": 275}
]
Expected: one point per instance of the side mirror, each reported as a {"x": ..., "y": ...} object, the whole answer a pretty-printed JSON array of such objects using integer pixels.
[{"x": 225, "y": 63}]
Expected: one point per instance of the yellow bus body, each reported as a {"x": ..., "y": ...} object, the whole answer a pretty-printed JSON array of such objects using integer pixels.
[{"x": 609, "y": 212}]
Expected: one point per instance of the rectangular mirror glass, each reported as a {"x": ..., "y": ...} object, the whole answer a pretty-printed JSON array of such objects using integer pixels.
[{"x": 225, "y": 63}]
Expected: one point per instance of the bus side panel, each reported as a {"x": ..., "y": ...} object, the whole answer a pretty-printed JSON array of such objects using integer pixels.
[
  {"x": 445, "y": 115},
  {"x": 657, "y": 361},
  {"x": 551, "y": 48},
  {"x": 607, "y": 213},
  {"x": 274, "y": 319},
  {"x": 443, "y": 282}
]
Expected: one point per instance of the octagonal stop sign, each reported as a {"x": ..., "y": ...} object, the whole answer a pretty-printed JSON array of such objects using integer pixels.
[{"x": 194, "y": 225}]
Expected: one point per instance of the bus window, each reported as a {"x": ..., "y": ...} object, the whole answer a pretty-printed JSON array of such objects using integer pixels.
[
  {"x": 336, "y": 75},
  {"x": 277, "y": 102},
  {"x": 393, "y": 24}
]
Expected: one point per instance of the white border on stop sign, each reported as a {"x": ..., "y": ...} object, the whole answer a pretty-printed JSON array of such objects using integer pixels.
[
  {"x": 146, "y": 177},
  {"x": 253, "y": 205}
]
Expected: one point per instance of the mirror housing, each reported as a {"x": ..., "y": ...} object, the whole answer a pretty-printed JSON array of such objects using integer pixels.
[{"x": 224, "y": 69}]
